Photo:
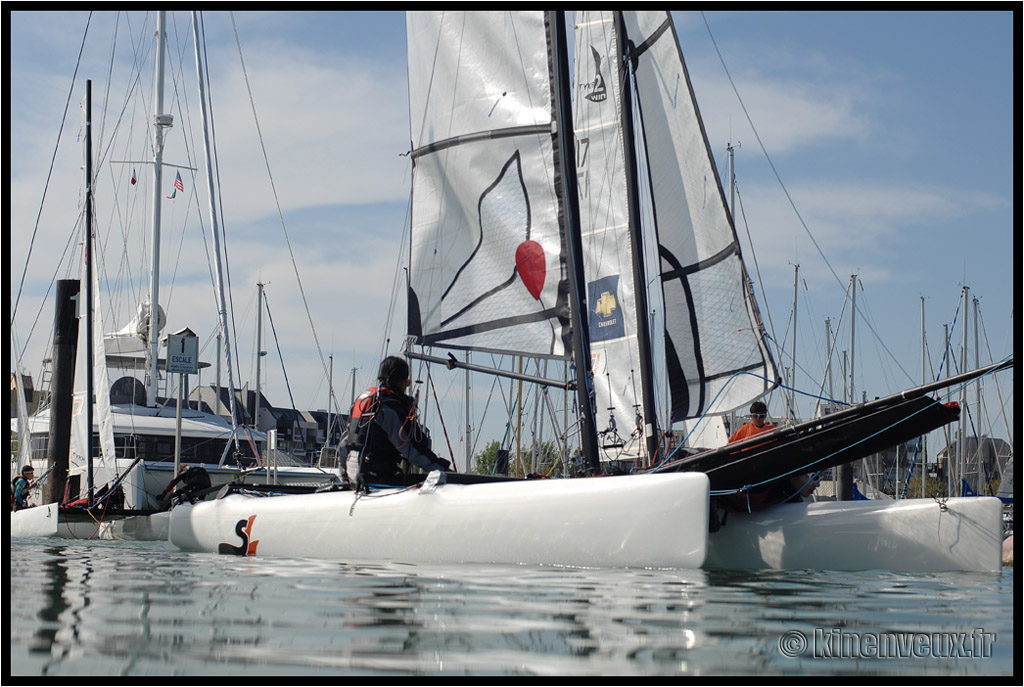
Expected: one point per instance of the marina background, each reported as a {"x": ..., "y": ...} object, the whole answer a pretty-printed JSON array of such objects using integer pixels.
[{"x": 892, "y": 133}]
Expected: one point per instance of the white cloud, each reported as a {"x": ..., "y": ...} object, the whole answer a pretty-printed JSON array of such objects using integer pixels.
[
  {"x": 859, "y": 225},
  {"x": 789, "y": 115}
]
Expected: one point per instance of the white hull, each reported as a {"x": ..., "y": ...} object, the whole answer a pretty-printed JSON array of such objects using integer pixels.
[
  {"x": 38, "y": 521},
  {"x": 132, "y": 528},
  {"x": 913, "y": 535},
  {"x": 628, "y": 521}
]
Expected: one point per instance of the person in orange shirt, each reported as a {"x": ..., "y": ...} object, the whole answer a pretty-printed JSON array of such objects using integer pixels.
[
  {"x": 777, "y": 491},
  {"x": 757, "y": 424}
]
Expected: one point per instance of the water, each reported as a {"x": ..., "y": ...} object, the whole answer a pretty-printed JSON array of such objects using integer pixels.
[{"x": 142, "y": 608}]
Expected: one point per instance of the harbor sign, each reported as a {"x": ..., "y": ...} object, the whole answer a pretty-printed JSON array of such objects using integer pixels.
[{"x": 183, "y": 352}]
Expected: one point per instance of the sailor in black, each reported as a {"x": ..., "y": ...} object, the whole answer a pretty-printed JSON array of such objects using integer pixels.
[
  {"x": 383, "y": 431},
  {"x": 193, "y": 478}
]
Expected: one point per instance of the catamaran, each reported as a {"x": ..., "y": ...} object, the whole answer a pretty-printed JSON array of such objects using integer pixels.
[{"x": 530, "y": 237}]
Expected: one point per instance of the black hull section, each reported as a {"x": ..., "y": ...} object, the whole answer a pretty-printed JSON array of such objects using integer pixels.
[
  {"x": 98, "y": 513},
  {"x": 818, "y": 444}
]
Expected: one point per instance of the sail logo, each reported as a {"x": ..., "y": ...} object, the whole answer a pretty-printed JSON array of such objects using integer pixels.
[
  {"x": 605, "y": 314},
  {"x": 605, "y": 305},
  {"x": 598, "y": 92},
  {"x": 243, "y": 528}
]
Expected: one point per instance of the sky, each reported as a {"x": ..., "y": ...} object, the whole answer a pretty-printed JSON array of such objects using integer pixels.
[{"x": 876, "y": 144}]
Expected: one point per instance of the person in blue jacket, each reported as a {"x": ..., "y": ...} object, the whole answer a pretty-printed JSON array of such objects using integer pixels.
[{"x": 21, "y": 486}]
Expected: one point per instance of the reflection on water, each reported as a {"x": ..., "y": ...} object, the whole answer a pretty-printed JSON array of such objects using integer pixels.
[{"x": 108, "y": 608}]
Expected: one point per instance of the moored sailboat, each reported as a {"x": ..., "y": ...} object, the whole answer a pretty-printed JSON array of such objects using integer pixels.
[{"x": 126, "y": 440}]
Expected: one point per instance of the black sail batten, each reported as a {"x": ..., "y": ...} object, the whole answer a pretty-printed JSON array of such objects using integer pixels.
[
  {"x": 642, "y": 47},
  {"x": 680, "y": 271},
  {"x": 490, "y": 135},
  {"x": 451, "y": 336}
]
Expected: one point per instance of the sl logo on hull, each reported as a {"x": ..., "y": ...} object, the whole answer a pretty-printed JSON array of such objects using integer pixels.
[{"x": 244, "y": 530}]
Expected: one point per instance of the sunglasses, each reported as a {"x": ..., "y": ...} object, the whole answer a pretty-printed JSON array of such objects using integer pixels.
[{"x": 761, "y": 415}]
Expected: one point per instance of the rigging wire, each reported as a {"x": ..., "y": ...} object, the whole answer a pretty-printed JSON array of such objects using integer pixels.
[
  {"x": 49, "y": 173},
  {"x": 757, "y": 271},
  {"x": 999, "y": 393},
  {"x": 785, "y": 190},
  {"x": 215, "y": 162},
  {"x": 273, "y": 187},
  {"x": 277, "y": 344}
]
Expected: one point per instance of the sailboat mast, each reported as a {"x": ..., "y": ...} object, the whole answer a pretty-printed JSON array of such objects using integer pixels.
[
  {"x": 570, "y": 198},
  {"x": 160, "y": 122},
  {"x": 89, "y": 295},
  {"x": 853, "y": 323},
  {"x": 732, "y": 180},
  {"x": 792, "y": 375},
  {"x": 650, "y": 422},
  {"x": 924, "y": 380},
  {"x": 961, "y": 470},
  {"x": 222, "y": 314},
  {"x": 260, "y": 354}
]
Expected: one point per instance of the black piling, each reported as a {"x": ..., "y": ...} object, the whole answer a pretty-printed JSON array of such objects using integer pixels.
[{"x": 65, "y": 347}]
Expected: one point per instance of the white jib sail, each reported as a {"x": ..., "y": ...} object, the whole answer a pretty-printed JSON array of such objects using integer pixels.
[
  {"x": 715, "y": 355},
  {"x": 104, "y": 465},
  {"x": 487, "y": 264},
  {"x": 24, "y": 436}
]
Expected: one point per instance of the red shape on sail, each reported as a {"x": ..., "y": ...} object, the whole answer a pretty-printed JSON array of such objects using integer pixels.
[{"x": 532, "y": 267}]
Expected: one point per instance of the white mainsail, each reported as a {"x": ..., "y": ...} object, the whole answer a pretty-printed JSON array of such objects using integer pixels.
[{"x": 488, "y": 259}]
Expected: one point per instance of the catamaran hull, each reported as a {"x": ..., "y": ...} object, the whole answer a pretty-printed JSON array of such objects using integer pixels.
[
  {"x": 82, "y": 525},
  {"x": 147, "y": 480},
  {"x": 913, "y": 535},
  {"x": 38, "y": 521},
  {"x": 628, "y": 521}
]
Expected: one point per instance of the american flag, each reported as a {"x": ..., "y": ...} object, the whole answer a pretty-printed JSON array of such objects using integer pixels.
[{"x": 178, "y": 186}]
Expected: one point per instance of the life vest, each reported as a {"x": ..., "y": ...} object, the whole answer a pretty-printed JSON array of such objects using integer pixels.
[
  {"x": 381, "y": 459},
  {"x": 19, "y": 491}
]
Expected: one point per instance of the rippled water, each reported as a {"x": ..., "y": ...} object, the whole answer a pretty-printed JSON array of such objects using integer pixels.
[{"x": 122, "y": 608}]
